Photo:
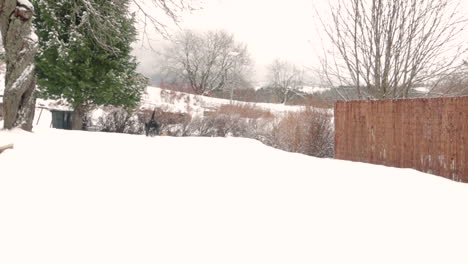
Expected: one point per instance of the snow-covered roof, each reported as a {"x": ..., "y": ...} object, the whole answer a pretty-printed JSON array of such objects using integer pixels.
[
  {"x": 422, "y": 89},
  {"x": 53, "y": 105},
  {"x": 314, "y": 89}
]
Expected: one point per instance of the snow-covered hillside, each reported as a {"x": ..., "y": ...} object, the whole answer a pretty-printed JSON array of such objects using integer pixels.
[
  {"x": 89, "y": 197},
  {"x": 196, "y": 105},
  {"x": 171, "y": 101}
]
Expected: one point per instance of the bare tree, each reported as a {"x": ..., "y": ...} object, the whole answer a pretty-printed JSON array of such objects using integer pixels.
[
  {"x": 20, "y": 44},
  {"x": 383, "y": 48},
  {"x": 285, "y": 78},
  {"x": 206, "y": 61},
  {"x": 454, "y": 84},
  {"x": 170, "y": 8}
]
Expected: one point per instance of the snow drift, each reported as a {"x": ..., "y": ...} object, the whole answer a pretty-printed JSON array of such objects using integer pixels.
[{"x": 89, "y": 197}]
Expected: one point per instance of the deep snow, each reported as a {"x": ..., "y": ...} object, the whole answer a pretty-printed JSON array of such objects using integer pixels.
[{"x": 89, "y": 197}]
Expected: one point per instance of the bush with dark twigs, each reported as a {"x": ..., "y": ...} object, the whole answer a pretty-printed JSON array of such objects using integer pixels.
[{"x": 308, "y": 132}]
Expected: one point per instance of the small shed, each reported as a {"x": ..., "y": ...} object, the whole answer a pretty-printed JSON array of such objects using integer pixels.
[{"x": 62, "y": 119}]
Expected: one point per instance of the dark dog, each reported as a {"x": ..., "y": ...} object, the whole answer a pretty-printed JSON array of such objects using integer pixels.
[{"x": 152, "y": 127}]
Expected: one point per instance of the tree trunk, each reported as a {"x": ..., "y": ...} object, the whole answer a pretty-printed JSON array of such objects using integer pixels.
[
  {"x": 78, "y": 115},
  {"x": 20, "y": 44}
]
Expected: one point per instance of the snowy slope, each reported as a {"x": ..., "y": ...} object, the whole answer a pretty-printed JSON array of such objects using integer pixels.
[
  {"x": 196, "y": 104},
  {"x": 173, "y": 101},
  {"x": 88, "y": 197}
]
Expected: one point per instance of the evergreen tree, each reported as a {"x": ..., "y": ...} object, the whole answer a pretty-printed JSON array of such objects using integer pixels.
[{"x": 84, "y": 54}]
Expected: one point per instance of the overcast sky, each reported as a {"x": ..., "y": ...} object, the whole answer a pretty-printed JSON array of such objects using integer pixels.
[{"x": 271, "y": 28}]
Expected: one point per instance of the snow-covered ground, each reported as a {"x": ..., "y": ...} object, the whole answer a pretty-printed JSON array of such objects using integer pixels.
[
  {"x": 89, "y": 197},
  {"x": 196, "y": 104}
]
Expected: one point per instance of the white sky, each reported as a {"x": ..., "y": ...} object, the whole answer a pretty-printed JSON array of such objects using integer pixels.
[{"x": 271, "y": 28}]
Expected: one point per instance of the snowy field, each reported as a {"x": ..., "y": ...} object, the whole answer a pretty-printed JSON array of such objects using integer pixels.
[
  {"x": 89, "y": 197},
  {"x": 196, "y": 105},
  {"x": 180, "y": 102}
]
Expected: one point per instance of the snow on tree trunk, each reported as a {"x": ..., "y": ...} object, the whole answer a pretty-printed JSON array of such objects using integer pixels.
[{"x": 20, "y": 44}]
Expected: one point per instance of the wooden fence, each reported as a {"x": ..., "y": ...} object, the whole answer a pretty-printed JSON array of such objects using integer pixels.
[{"x": 430, "y": 135}]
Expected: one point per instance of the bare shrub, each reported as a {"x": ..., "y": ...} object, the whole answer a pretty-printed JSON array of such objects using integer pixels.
[
  {"x": 455, "y": 84},
  {"x": 229, "y": 120},
  {"x": 315, "y": 101},
  {"x": 309, "y": 132},
  {"x": 218, "y": 125},
  {"x": 118, "y": 120},
  {"x": 171, "y": 124},
  {"x": 238, "y": 120},
  {"x": 247, "y": 95}
]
